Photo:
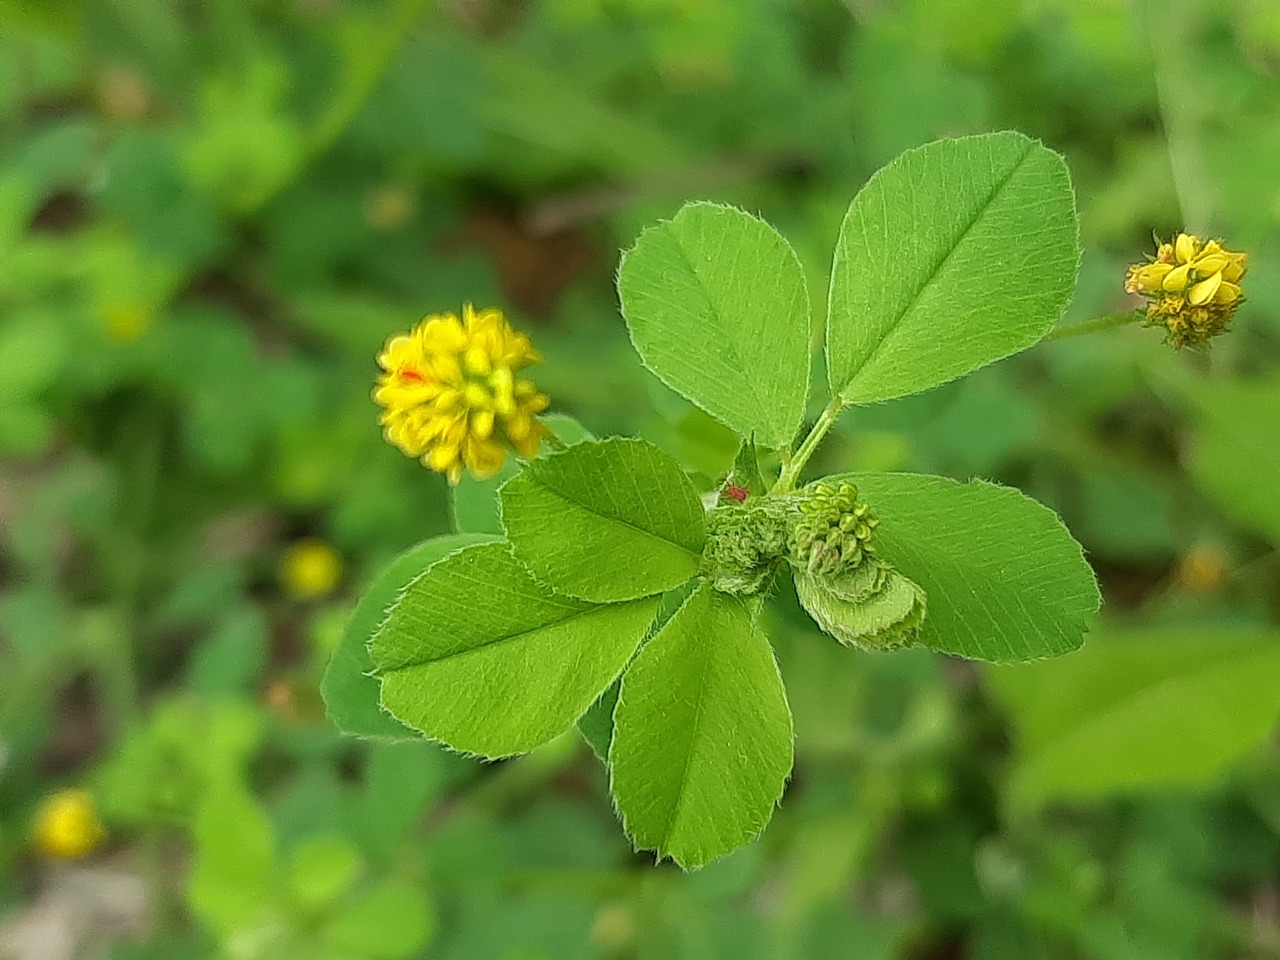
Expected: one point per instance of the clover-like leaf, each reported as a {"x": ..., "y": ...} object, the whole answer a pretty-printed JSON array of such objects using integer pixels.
[
  {"x": 349, "y": 689},
  {"x": 702, "y": 739},
  {"x": 956, "y": 254},
  {"x": 606, "y": 521},
  {"x": 479, "y": 655},
  {"x": 1003, "y": 578},
  {"x": 717, "y": 306}
]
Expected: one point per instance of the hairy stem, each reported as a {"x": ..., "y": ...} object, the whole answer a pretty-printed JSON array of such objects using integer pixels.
[
  {"x": 791, "y": 468},
  {"x": 1096, "y": 325}
]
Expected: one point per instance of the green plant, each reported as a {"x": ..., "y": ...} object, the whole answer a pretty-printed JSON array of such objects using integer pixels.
[{"x": 622, "y": 600}]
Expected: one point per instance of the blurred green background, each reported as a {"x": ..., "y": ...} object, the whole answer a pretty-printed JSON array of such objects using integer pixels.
[{"x": 212, "y": 214}]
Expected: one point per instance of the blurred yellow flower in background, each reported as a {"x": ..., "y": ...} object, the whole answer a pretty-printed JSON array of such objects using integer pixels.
[
  {"x": 66, "y": 825},
  {"x": 452, "y": 396},
  {"x": 1192, "y": 288},
  {"x": 310, "y": 568}
]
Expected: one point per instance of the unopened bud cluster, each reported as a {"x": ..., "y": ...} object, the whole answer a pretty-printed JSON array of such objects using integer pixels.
[{"x": 835, "y": 530}]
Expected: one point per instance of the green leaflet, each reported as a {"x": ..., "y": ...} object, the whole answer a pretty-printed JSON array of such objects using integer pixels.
[
  {"x": 474, "y": 503},
  {"x": 479, "y": 655},
  {"x": 717, "y": 306},
  {"x": 606, "y": 521},
  {"x": 1138, "y": 710},
  {"x": 956, "y": 254},
  {"x": 702, "y": 741},
  {"x": 871, "y": 605},
  {"x": 1004, "y": 579},
  {"x": 350, "y": 691}
]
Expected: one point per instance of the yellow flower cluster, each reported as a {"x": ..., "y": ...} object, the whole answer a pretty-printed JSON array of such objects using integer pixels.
[
  {"x": 310, "y": 568},
  {"x": 67, "y": 826},
  {"x": 452, "y": 397},
  {"x": 1192, "y": 288}
]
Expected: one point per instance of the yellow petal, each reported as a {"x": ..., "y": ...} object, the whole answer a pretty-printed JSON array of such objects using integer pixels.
[
  {"x": 1146, "y": 278},
  {"x": 476, "y": 397},
  {"x": 1176, "y": 279},
  {"x": 483, "y": 458},
  {"x": 518, "y": 427},
  {"x": 442, "y": 458},
  {"x": 1185, "y": 247},
  {"x": 1210, "y": 263},
  {"x": 482, "y": 424},
  {"x": 1227, "y": 293},
  {"x": 1235, "y": 267},
  {"x": 477, "y": 361},
  {"x": 1204, "y": 291},
  {"x": 445, "y": 367}
]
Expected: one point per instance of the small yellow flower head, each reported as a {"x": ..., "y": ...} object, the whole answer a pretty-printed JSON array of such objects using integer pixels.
[
  {"x": 310, "y": 568},
  {"x": 453, "y": 397},
  {"x": 1203, "y": 569},
  {"x": 67, "y": 826},
  {"x": 1192, "y": 288},
  {"x": 125, "y": 322}
]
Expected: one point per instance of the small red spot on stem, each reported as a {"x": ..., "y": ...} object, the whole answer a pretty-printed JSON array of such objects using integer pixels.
[{"x": 736, "y": 493}]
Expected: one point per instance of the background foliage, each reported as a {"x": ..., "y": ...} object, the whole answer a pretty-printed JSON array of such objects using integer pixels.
[{"x": 212, "y": 214}]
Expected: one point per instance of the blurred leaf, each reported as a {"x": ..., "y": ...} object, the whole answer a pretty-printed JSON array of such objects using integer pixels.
[
  {"x": 702, "y": 734},
  {"x": 350, "y": 690},
  {"x": 401, "y": 782},
  {"x": 389, "y": 921},
  {"x": 33, "y": 347},
  {"x": 956, "y": 254},
  {"x": 1002, "y": 576},
  {"x": 1235, "y": 456},
  {"x": 145, "y": 190},
  {"x": 321, "y": 869},
  {"x": 1138, "y": 711},
  {"x": 540, "y": 106},
  {"x": 58, "y": 158},
  {"x": 232, "y": 659},
  {"x": 244, "y": 146},
  {"x": 231, "y": 877},
  {"x": 1126, "y": 515},
  {"x": 717, "y": 306},
  {"x": 25, "y": 430},
  {"x": 496, "y": 678},
  {"x": 610, "y": 520}
]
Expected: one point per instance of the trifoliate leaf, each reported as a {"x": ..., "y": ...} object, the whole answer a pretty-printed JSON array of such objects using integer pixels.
[
  {"x": 702, "y": 741},
  {"x": 351, "y": 694},
  {"x": 606, "y": 521},
  {"x": 954, "y": 255},
  {"x": 717, "y": 307},
  {"x": 479, "y": 655},
  {"x": 1003, "y": 578}
]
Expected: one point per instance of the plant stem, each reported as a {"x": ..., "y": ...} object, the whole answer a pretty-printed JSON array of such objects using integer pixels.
[
  {"x": 791, "y": 468},
  {"x": 1096, "y": 325}
]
